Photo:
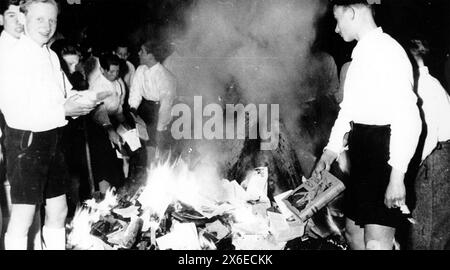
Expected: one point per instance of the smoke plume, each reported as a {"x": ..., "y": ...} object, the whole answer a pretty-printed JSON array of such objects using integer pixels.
[{"x": 261, "y": 47}]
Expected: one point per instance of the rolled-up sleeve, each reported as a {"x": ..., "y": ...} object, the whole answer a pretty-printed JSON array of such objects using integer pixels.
[{"x": 136, "y": 89}]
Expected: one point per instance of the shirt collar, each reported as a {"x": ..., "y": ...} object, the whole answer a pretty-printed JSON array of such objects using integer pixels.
[
  {"x": 154, "y": 67},
  {"x": 366, "y": 39},
  {"x": 31, "y": 44},
  {"x": 8, "y": 37}
]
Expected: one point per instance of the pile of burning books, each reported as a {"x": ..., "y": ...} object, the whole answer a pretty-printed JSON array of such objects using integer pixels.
[{"x": 173, "y": 212}]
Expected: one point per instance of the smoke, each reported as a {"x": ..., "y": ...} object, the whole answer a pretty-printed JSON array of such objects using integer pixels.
[{"x": 262, "y": 47}]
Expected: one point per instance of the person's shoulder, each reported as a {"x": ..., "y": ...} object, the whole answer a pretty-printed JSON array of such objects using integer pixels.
[
  {"x": 389, "y": 44},
  {"x": 130, "y": 65},
  {"x": 141, "y": 69},
  {"x": 165, "y": 71}
]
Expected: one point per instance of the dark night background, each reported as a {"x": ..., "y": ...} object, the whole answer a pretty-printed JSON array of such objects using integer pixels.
[{"x": 109, "y": 21}]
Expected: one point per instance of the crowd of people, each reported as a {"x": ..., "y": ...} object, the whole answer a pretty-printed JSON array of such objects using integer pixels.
[{"x": 66, "y": 111}]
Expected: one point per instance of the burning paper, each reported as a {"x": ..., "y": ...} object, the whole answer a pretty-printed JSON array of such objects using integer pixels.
[
  {"x": 183, "y": 236},
  {"x": 279, "y": 199},
  {"x": 282, "y": 230},
  {"x": 256, "y": 184},
  {"x": 217, "y": 229}
]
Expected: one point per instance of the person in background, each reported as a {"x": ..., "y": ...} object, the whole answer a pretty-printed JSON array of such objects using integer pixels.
[
  {"x": 432, "y": 185},
  {"x": 122, "y": 51},
  {"x": 12, "y": 29},
  {"x": 380, "y": 111},
  {"x": 74, "y": 135},
  {"x": 153, "y": 91},
  {"x": 103, "y": 137},
  {"x": 35, "y": 103}
]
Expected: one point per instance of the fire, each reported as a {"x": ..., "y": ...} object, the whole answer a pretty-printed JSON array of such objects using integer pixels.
[{"x": 190, "y": 196}]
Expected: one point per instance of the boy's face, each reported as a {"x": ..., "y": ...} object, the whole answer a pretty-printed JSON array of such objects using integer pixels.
[
  {"x": 112, "y": 74},
  {"x": 345, "y": 22},
  {"x": 40, "y": 22},
  {"x": 145, "y": 57},
  {"x": 122, "y": 53},
  {"x": 72, "y": 60},
  {"x": 10, "y": 21}
]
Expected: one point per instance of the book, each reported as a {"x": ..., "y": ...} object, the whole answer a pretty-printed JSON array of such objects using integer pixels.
[{"x": 313, "y": 195}]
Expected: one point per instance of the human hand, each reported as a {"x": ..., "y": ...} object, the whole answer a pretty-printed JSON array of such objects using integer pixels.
[
  {"x": 324, "y": 163},
  {"x": 396, "y": 192},
  {"x": 73, "y": 107}
]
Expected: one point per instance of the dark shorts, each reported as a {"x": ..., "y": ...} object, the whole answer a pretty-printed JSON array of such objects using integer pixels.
[
  {"x": 149, "y": 112},
  {"x": 369, "y": 177},
  {"x": 35, "y": 165}
]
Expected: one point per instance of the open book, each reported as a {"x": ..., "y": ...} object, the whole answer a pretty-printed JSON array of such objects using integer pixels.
[{"x": 313, "y": 195}]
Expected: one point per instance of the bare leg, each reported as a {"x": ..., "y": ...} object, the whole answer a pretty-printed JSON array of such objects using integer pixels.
[
  {"x": 354, "y": 235},
  {"x": 53, "y": 231},
  {"x": 34, "y": 233},
  {"x": 19, "y": 223},
  {"x": 379, "y": 237}
]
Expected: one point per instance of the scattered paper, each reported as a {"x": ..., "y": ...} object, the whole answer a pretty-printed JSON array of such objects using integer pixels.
[
  {"x": 282, "y": 230},
  {"x": 141, "y": 127},
  {"x": 218, "y": 229},
  {"x": 257, "y": 184},
  {"x": 128, "y": 212},
  {"x": 257, "y": 242},
  {"x": 183, "y": 236},
  {"x": 282, "y": 205}
]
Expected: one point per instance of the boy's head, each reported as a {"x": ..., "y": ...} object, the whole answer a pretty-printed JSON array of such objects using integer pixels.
[
  {"x": 40, "y": 18},
  {"x": 350, "y": 14},
  {"x": 9, "y": 13},
  {"x": 152, "y": 52},
  {"x": 71, "y": 55},
  {"x": 110, "y": 66},
  {"x": 122, "y": 51}
]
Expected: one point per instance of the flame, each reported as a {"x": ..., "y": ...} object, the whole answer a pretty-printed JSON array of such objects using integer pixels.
[
  {"x": 85, "y": 216},
  {"x": 80, "y": 236},
  {"x": 168, "y": 183},
  {"x": 109, "y": 202}
]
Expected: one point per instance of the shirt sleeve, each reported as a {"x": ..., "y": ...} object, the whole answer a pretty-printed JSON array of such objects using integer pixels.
[
  {"x": 136, "y": 89},
  {"x": 119, "y": 113},
  {"x": 167, "y": 86},
  {"x": 100, "y": 115},
  {"x": 340, "y": 128},
  {"x": 406, "y": 123},
  {"x": 20, "y": 103}
]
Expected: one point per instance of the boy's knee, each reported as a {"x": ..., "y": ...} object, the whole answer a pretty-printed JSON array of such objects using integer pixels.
[
  {"x": 57, "y": 215},
  {"x": 373, "y": 245}
]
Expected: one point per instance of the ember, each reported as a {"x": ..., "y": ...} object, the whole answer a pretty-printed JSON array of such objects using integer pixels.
[{"x": 173, "y": 212}]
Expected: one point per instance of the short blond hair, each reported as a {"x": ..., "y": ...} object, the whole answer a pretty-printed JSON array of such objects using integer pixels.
[{"x": 25, "y": 4}]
